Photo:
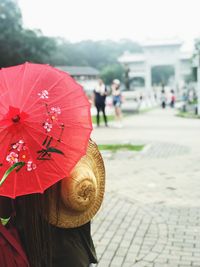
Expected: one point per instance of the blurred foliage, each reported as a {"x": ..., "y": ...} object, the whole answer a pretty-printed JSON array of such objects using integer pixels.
[
  {"x": 194, "y": 74},
  {"x": 17, "y": 44},
  {"x": 102, "y": 55},
  {"x": 197, "y": 44},
  {"x": 97, "y": 54},
  {"x": 10, "y": 27},
  {"x": 111, "y": 72},
  {"x": 196, "y": 54}
]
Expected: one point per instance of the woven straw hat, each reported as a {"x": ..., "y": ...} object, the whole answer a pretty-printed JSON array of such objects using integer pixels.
[{"x": 82, "y": 193}]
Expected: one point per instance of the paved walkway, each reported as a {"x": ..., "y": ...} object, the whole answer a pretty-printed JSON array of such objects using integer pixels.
[{"x": 151, "y": 213}]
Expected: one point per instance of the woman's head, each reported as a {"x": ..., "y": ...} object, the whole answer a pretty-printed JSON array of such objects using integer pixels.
[{"x": 116, "y": 83}]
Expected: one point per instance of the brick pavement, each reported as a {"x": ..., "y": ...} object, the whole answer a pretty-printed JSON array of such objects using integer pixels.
[{"x": 151, "y": 212}]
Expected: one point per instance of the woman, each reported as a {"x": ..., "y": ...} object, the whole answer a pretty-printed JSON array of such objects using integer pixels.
[
  {"x": 163, "y": 99},
  {"x": 100, "y": 93},
  {"x": 117, "y": 100},
  {"x": 54, "y": 226}
]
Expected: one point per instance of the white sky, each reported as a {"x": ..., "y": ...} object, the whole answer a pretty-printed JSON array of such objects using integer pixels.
[{"x": 114, "y": 19}]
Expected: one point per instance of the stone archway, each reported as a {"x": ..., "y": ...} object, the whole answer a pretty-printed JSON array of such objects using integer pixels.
[
  {"x": 136, "y": 81},
  {"x": 155, "y": 54},
  {"x": 162, "y": 75}
]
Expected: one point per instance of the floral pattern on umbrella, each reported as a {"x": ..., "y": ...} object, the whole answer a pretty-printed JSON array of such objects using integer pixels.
[{"x": 45, "y": 125}]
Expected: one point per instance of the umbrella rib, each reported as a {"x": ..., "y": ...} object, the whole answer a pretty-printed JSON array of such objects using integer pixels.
[
  {"x": 1, "y": 132},
  {"x": 54, "y": 100},
  {"x": 26, "y": 141},
  {"x": 74, "y": 107},
  {"x": 62, "y": 110},
  {"x": 41, "y": 132},
  {"x": 38, "y": 179},
  {"x": 48, "y": 89},
  {"x": 22, "y": 83},
  {"x": 51, "y": 159},
  {"x": 15, "y": 181},
  {"x": 38, "y": 130},
  {"x": 81, "y": 93},
  {"x": 74, "y": 149},
  {"x": 6, "y": 83},
  {"x": 32, "y": 88},
  {"x": 2, "y": 102}
]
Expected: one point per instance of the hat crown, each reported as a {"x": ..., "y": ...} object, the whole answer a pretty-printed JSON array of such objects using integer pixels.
[
  {"x": 82, "y": 192},
  {"x": 80, "y": 189}
]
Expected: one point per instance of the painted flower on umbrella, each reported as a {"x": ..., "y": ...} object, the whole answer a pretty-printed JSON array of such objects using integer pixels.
[
  {"x": 30, "y": 166},
  {"x": 54, "y": 112},
  {"x": 44, "y": 94},
  {"x": 19, "y": 154},
  {"x": 47, "y": 126},
  {"x": 12, "y": 158},
  {"x": 20, "y": 145},
  {"x": 52, "y": 118}
]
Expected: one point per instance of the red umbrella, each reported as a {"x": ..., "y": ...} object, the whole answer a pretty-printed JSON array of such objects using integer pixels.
[{"x": 45, "y": 125}]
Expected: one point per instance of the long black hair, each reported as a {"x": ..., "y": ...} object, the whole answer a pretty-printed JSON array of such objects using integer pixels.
[{"x": 32, "y": 213}]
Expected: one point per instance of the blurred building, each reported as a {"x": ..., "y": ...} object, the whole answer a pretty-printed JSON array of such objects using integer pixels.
[
  {"x": 159, "y": 53},
  {"x": 86, "y": 76}
]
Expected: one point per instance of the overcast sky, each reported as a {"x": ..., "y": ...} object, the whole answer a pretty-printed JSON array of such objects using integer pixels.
[{"x": 114, "y": 19}]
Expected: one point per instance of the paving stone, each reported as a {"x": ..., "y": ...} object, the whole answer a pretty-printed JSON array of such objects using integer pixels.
[{"x": 151, "y": 211}]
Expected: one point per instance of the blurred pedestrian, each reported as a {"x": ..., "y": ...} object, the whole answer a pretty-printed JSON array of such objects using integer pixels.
[
  {"x": 163, "y": 99},
  {"x": 117, "y": 100},
  {"x": 100, "y": 93},
  {"x": 172, "y": 98}
]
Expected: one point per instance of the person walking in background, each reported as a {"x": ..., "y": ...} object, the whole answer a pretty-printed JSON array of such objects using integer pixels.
[
  {"x": 117, "y": 100},
  {"x": 163, "y": 99},
  {"x": 172, "y": 98},
  {"x": 100, "y": 93}
]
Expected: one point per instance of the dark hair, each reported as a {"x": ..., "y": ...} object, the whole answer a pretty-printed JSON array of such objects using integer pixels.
[{"x": 32, "y": 213}]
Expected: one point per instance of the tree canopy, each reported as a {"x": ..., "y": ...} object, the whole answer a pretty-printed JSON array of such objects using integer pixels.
[{"x": 18, "y": 45}]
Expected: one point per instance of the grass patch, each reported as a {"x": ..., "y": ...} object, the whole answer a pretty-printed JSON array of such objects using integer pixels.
[
  {"x": 141, "y": 111},
  {"x": 116, "y": 147},
  {"x": 124, "y": 114},
  {"x": 109, "y": 118},
  {"x": 187, "y": 115}
]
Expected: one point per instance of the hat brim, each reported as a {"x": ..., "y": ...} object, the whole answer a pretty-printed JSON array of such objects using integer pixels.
[{"x": 68, "y": 218}]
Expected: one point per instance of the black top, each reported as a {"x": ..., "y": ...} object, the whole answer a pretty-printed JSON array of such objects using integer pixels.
[
  {"x": 73, "y": 247},
  {"x": 100, "y": 99}
]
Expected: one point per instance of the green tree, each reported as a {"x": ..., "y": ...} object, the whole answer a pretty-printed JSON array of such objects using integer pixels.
[
  {"x": 10, "y": 28},
  {"x": 98, "y": 54},
  {"x": 111, "y": 72},
  {"x": 18, "y": 45},
  {"x": 37, "y": 47},
  {"x": 66, "y": 53}
]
